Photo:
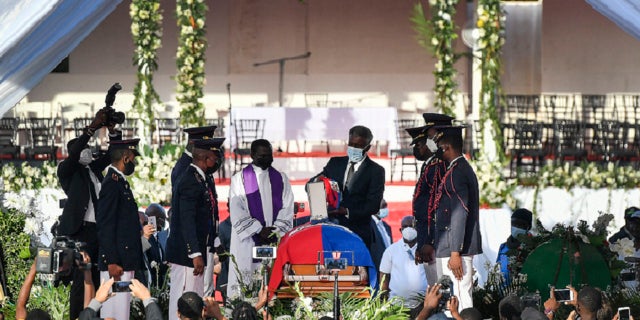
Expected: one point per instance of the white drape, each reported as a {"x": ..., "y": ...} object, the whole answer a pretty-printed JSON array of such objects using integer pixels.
[
  {"x": 624, "y": 13},
  {"x": 35, "y": 35}
]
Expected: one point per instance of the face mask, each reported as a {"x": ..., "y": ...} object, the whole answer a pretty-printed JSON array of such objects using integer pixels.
[
  {"x": 383, "y": 213},
  {"x": 417, "y": 155},
  {"x": 439, "y": 153},
  {"x": 215, "y": 167},
  {"x": 263, "y": 163},
  {"x": 355, "y": 154},
  {"x": 85, "y": 157},
  {"x": 515, "y": 232},
  {"x": 409, "y": 234},
  {"x": 129, "y": 167},
  {"x": 433, "y": 147}
]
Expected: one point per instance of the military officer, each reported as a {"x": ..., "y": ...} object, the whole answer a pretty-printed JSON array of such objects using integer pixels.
[
  {"x": 185, "y": 160},
  {"x": 431, "y": 173},
  {"x": 183, "y": 163},
  {"x": 195, "y": 214},
  {"x": 457, "y": 230},
  {"x": 118, "y": 226}
]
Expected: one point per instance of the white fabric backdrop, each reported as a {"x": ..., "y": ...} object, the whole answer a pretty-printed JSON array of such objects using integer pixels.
[
  {"x": 318, "y": 124},
  {"x": 35, "y": 35}
]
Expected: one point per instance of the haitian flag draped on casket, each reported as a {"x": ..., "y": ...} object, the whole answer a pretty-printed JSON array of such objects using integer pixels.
[{"x": 302, "y": 244}]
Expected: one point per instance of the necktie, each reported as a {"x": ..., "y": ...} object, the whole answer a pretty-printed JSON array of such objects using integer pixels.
[
  {"x": 411, "y": 254},
  {"x": 349, "y": 174}
]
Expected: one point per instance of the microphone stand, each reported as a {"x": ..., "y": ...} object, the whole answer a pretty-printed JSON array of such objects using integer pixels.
[
  {"x": 281, "y": 62},
  {"x": 336, "y": 296}
]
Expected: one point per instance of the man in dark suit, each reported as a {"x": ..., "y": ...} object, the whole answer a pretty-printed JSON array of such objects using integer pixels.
[
  {"x": 382, "y": 237},
  {"x": 118, "y": 226},
  {"x": 155, "y": 255},
  {"x": 80, "y": 176},
  {"x": 361, "y": 182},
  {"x": 424, "y": 193},
  {"x": 186, "y": 158},
  {"x": 195, "y": 214},
  {"x": 457, "y": 230}
]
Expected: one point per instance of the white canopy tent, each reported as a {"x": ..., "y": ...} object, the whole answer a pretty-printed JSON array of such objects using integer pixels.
[
  {"x": 624, "y": 13},
  {"x": 35, "y": 35}
]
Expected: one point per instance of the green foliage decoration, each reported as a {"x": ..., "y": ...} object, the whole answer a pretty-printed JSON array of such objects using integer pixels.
[
  {"x": 437, "y": 35},
  {"x": 192, "y": 44},
  {"x": 146, "y": 30}
]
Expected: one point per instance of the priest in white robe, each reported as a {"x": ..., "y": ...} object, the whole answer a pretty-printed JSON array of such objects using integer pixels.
[{"x": 260, "y": 207}]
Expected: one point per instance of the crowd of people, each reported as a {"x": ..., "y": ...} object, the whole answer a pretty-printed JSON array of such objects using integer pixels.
[{"x": 439, "y": 238}]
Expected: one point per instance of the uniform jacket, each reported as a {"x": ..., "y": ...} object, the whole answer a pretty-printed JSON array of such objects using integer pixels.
[
  {"x": 181, "y": 165},
  {"x": 457, "y": 222},
  {"x": 423, "y": 198},
  {"x": 192, "y": 218},
  {"x": 76, "y": 183},
  {"x": 362, "y": 197},
  {"x": 118, "y": 224}
]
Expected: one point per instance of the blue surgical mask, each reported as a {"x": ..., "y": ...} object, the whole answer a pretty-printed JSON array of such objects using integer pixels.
[
  {"x": 355, "y": 154},
  {"x": 515, "y": 231},
  {"x": 383, "y": 213}
]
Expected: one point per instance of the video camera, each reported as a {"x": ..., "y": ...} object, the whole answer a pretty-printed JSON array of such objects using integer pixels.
[
  {"x": 631, "y": 274},
  {"x": 59, "y": 258},
  {"x": 112, "y": 116}
]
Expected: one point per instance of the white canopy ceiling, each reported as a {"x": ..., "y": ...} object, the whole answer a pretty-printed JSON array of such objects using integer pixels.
[
  {"x": 35, "y": 35},
  {"x": 624, "y": 13}
]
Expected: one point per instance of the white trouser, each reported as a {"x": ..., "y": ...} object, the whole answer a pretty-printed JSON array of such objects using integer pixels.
[
  {"x": 117, "y": 306},
  {"x": 431, "y": 271},
  {"x": 182, "y": 280},
  {"x": 461, "y": 288},
  {"x": 208, "y": 275}
]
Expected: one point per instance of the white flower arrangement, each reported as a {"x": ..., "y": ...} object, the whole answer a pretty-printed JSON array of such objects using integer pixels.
[
  {"x": 190, "y": 59},
  {"x": 623, "y": 247}
]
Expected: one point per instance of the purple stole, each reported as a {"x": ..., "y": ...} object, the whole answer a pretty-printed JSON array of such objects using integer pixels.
[{"x": 254, "y": 200}]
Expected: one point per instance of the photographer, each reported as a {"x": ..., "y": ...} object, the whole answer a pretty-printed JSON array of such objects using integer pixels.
[
  {"x": 80, "y": 176},
  {"x": 431, "y": 305}
]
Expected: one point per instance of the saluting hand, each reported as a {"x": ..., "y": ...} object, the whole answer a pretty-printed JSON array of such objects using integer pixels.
[{"x": 198, "y": 266}]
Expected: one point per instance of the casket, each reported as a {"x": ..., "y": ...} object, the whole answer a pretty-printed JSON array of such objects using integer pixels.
[{"x": 300, "y": 260}]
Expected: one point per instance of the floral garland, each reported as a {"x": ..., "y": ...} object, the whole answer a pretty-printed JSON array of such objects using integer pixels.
[
  {"x": 437, "y": 35},
  {"x": 146, "y": 29},
  {"x": 444, "y": 32},
  {"x": 190, "y": 59},
  {"x": 490, "y": 25}
]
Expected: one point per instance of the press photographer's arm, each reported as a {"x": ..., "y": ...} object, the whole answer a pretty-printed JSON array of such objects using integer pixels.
[{"x": 25, "y": 291}]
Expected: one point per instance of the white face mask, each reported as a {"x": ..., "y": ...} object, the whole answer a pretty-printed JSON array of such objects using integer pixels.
[
  {"x": 383, "y": 213},
  {"x": 431, "y": 145},
  {"x": 85, "y": 157},
  {"x": 409, "y": 234},
  {"x": 355, "y": 154}
]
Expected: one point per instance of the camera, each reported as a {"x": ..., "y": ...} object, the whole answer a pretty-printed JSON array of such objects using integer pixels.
[
  {"x": 332, "y": 264},
  {"x": 630, "y": 274},
  {"x": 263, "y": 253},
  {"x": 121, "y": 286},
  {"x": 562, "y": 295},
  {"x": 624, "y": 313},
  {"x": 112, "y": 116},
  {"x": 59, "y": 258},
  {"x": 446, "y": 291}
]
